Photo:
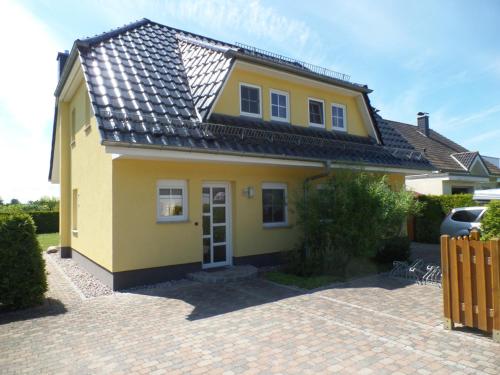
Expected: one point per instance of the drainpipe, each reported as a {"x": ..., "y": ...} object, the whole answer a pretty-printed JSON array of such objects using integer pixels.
[{"x": 306, "y": 183}]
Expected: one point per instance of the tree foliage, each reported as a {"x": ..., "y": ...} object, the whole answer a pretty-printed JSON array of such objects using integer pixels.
[
  {"x": 350, "y": 215},
  {"x": 490, "y": 224}
]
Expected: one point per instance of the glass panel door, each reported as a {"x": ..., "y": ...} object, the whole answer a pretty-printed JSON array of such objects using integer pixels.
[{"x": 216, "y": 225}]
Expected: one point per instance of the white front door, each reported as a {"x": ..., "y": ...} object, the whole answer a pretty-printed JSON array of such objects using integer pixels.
[{"x": 216, "y": 225}]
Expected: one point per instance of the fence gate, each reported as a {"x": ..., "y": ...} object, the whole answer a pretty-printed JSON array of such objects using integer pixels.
[{"x": 471, "y": 283}]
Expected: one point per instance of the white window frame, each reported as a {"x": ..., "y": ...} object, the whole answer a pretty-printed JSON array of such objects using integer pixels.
[
  {"x": 287, "y": 96},
  {"x": 275, "y": 186},
  {"x": 313, "y": 124},
  {"x": 243, "y": 113},
  {"x": 172, "y": 184},
  {"x": 343, "y": 107}
]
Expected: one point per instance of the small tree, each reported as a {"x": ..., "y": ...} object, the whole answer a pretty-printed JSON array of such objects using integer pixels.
[
  {"x": 14, "y": 201},
  {"x": 490, "y": 225},
  {"x": 351, "y": 215}
]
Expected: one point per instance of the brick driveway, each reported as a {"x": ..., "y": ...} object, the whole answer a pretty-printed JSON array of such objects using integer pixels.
[{"x": 375, "y": 325}]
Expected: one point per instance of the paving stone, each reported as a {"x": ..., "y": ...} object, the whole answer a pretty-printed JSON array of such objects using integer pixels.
[{"x": 372, "y": 325}]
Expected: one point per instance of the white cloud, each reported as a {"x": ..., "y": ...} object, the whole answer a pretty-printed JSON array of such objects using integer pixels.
[
  {"x": 463, "y": 120},
  {"x": 28, "y": 78}
]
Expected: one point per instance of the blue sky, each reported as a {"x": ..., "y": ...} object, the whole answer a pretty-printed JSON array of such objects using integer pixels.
[{"x": 442, "y": 57}]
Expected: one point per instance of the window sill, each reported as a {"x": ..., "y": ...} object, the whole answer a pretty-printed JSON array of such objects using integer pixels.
[
  {"x": 74, "y": 232},
  {"x": 277, "y": 226},
  {"x": 319, "y": 126},
  {"x": 73, "y": 143},
  {"x": 343, "y": 130},
  {"x": 87, "y": 128},
  {"x": 180, "y": 221},
  {"x": 252, "y": 115}
]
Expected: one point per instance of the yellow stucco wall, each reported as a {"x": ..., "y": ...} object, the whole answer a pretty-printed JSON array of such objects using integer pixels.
[
  {"x": 141, "y": 242},
  {"x": 299, "y": 92},
  {"x": 91, "y": 175}
]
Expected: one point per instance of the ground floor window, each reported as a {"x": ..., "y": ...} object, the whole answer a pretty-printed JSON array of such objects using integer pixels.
[
  {"x": 461, "y": 190},
  {"x": 172, "y": 200},
  {"x": 274, "y": 206}
]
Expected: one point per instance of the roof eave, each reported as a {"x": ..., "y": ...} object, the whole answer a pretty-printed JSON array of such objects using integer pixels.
[{"x": 263, "y": 155}]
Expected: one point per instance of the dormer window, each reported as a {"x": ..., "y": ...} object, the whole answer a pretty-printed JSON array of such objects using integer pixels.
[
  {"x": 316, "y": 113},
  {"x": 279, "y": 106},
  {"x": 338, "y": 117},
  {"x": 250, "y": 100}
]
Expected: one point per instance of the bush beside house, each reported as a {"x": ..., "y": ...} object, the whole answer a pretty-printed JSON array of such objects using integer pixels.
[
  {"x": 23, "y": 280},
  {"x": 350, "y": 216},
  {"x": 435, "y": 208}
]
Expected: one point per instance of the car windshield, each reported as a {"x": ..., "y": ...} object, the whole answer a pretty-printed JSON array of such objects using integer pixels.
[{"x": 468, "y": 216}]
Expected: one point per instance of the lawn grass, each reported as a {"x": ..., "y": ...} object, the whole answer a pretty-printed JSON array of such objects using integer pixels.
[
  {"x": 357, "y": 268},
  {"x": 48, "y": 239}
]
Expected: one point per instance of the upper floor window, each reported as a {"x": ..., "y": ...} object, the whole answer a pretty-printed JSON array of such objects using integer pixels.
[
  {"x": 338, "y": 117},
  {"x": 279, "y": 106},
  {"x": 250, "y": 103},
  {"x": 316, "y": 113}
]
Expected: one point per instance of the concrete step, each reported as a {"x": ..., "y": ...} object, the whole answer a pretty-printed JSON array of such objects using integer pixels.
[{"x": 224, "y": 274}]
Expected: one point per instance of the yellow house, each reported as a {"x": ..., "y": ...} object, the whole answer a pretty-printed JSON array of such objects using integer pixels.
[{"x": 176, "y": 152}]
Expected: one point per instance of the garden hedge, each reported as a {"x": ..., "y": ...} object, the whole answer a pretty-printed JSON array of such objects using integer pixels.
[
  {"x": 23, "y": 281},
  {"x": 45, "y": 221},
  {"x": 428, "y": 223}
]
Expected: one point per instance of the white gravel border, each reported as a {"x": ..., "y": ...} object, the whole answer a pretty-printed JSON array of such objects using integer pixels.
[{"x": 84, "y": 283}]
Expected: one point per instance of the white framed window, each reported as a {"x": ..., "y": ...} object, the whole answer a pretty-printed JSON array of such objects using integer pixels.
[
  {"x": 250, "y": 100},
  {"x": 280, "y": 107},
  {"x": 316, "y": 112},
  {"x": 172, "y": 203},
  {"x": 339, "y": 117},
  {"x": 74, "y": 211},
  {"x": 274, "y": 204}
]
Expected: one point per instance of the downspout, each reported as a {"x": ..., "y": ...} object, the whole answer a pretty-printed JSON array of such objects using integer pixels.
[{"x": 328, "y": 163}]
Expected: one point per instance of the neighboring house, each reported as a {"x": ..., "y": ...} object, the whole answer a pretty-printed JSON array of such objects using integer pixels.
[
  {"x": 175, "y": 152},
  {"x": 493, "y": 160},
  {"x": 455, "y": 169}
]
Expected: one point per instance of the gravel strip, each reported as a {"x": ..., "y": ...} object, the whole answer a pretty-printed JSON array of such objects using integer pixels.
[{"x": 84, "y": 281}]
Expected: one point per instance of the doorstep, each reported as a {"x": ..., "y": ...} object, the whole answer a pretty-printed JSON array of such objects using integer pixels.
[{"x": 224, "y": 274}]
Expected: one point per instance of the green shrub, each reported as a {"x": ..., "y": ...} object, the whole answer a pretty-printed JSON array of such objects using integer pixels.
[
  {"x": 490, "y": 224},
  {"x": 436, "y": 207},
  {"x": 22, "y": 269},
  {"x": 395, "y": 248},
  {"x": 350, "y": 216},
  {"x": 45, "y": 221}
]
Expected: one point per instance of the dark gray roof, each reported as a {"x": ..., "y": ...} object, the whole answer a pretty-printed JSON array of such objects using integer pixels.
[
  {"x": 466, "y": 158},
  {"x": 437, "y": 148},
  {"x": 152, "y": 86},
  {"x": 206, "y": 68}
]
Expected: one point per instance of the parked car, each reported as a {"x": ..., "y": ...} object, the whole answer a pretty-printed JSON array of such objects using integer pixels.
[{"x": 460, "y": 221}]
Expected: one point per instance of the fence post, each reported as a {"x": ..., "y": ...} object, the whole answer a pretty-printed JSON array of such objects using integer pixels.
[
  {"x": 495, "y": 271},
  {"x": 445, "y": 271},
  {"x": 474, "y": 235}
]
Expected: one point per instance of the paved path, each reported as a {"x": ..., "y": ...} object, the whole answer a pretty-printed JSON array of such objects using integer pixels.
[{"x": 374, "y": 325}]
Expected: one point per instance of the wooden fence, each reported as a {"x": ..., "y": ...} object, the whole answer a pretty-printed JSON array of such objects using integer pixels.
[{"x": 471, "y": 282}]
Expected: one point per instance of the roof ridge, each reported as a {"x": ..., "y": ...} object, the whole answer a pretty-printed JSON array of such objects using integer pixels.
[{"x": 112, "y": 33}]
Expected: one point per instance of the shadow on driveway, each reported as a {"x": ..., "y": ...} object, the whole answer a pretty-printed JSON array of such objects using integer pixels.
[
  {"x": 50, "y": 307},
  {"x": 210, "y": 300}
]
